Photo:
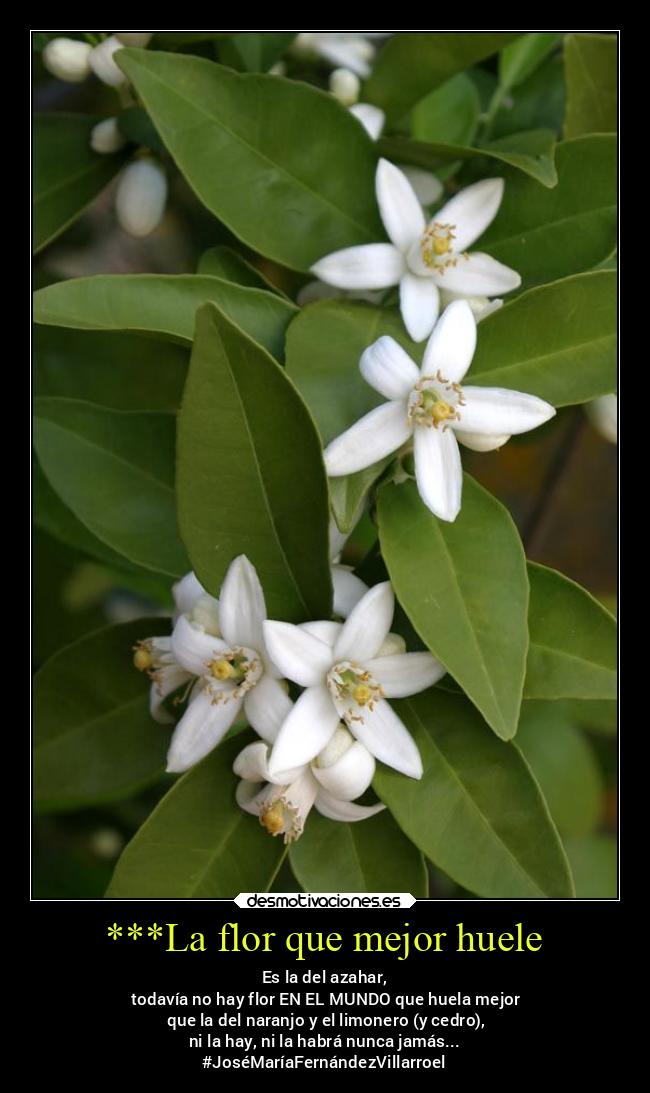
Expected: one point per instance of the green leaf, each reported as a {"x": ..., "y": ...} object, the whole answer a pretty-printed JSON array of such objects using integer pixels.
[
  {"x": 177, "y": 39},
  {"x": 565, "y": 348},
  {"x": 94, "y": 737},
  {"x": 67, "y": 173},
  {"x": 324, "y": 345},
  {"x": 448, "y": 115},
  {"x": 477, "y": 813},
  {"x": 223, "y": 262},
  {"x": 598, "y": 716},
  {"x": 530, "y": 152},
  {"x": 409, "y": 66},
  {"x": 546, "y": 235},
  {"x": 594, "y": 866},
  {"x": 115, "y": 471},
  {"x": 565, "y": 766},
  {"x": 251, "y": 478},
  {"x": 520, "y": 59},
  {"x": 370, "y": 856},
  {"x": 162, "y": 304},
  {"x": 112, "y": 368},
  {"x": 591, "y": 62},
  {"x": 197, "y": 843},
  {"x": 572, "y": 640},
  {"x": 137, "y": 127},
  {"x": 222, "y": 127},
  {"x": 56, "y": 619},
  {"x": 537, "y": 103},
  {"x": 255, "y": 51},
  {"x": 464, "y": 587}
]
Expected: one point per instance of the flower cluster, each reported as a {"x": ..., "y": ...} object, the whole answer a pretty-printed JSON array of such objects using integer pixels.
[{"x": 230, "y": 662}]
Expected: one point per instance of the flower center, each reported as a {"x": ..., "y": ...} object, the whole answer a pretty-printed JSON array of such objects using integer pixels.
[
  {"x": 434, "y": 401},
  {"x": 142, "y": 658},
  {"x": 274, "y": 817},
  {"x": 436, "y": 242},
  {"x": 237, "y": 667},
  {"x": 354, "y": 687}
]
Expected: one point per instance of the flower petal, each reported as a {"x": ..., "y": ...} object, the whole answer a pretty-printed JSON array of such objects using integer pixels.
[
  {"x": 252, "y": 762},
  {"x": 306, "y": 730},
  {"x": 385, "y": 736},
  {"x": 438, "y": 471},
  {"x": 193, "y": 648},
  {"x": 247, "y": 797},
  {"x": 348, "y": 590},
  {"x": 267, "y": 706},
  {"x": 352, "y": 53},
  {"x": 166, "y": 680},
  {"x": 477, "y": 274},
  {"x": 400, "y": 209},
  {"x": 350, "y": 776},
  {"x": 426, "y": 187},
  {"x": 344, "y": 811},
  {"x": 186, "y": 592},
  {"x": 373, "y": 265},
  {"x": 406, "y": 673},
  {"x": 367, "y": 625},
  {"x": 324, "y": 630},
  {"x": 370, "y": 439},
  {"x": 419, "y": 301},
  {"x": 241, "y": 605},
  {"x": 371, "y": 117},
  {"x": 388, "y": 368},
  {"x": 471, "y": 211},
  {"x": 451, "y": 346},
  {"x": 481, "y": 442},
  {"x": 500, "y": 411},
  {"x": 603, "y": 414},
  {"x": 199, "y": 730},
  {"x": 299, "y": 655}
]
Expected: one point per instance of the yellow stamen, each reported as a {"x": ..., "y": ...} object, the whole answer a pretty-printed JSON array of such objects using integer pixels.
[
  {"x": 223, "y": 669},
  {"x": 441, "y": 411},
  {"x": 362, "y": 694},
  {"x": 441, "y": 244},
  {"x": 142, "y": 659},
  {"x": 273, "y": 818}
]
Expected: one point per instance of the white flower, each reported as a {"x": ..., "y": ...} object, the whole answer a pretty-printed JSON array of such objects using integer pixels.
[
  {"x": 342, "y": 771},
  {"x": 105, "y": 137},
  {"x": 426, "y": 186},
  {"x": 221, "y": 645},
  {"x": 371, "y": 117},
  {"x": 346, "y": 678},
  {"x": 67, "y": 59},
  {"x": 345, "y": 86},
  {"x": 481, "y": 306},
  {"x": 423, "y": 258},
  {"x": 103, "y": 65},
  {"x": 348, "y": 588},
  {"x": 141, "y": 197},
  {"x": 341, "y": 48},
  {"x": 603, "y": 414},
  {"x": 429, "y": 406}
]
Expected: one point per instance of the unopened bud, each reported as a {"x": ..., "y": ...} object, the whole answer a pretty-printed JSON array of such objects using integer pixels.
[
  {"x": 138, "y": 38},
  {"x": 345, "y": 86},
  {"x": 141, "y": 197},
  {"x": 103, "y": 65},
  {"x": 106, "y": 137},
  {"x": 67, "y": 59}
]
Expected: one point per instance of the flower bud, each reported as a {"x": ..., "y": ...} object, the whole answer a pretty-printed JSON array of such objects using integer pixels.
[
  {"x": 371, "y": 117},
  {"x": 106, "y": 137},
  {"x": 345, "y": 86},
  {"x": 138, "y": 38},
  {"x": 603, "y": 414},
  {"x": 141, "y": 196},
  {"x": 67, "y": 59},
  {"x": 103, "y": 65}
]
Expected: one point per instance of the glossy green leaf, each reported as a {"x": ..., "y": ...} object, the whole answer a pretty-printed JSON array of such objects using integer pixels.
[
  {"x": 537, "y": 103},
  {"x": 251, "y": 478},
  {"x": 138, "y": 128},
  {"x": 197, "y": 843},
  {"x": 56, "y": 621},
  {"x": 112, "y": 368},
  {"x": 162, "y": 304},
  {"x": 591, "y": 62},
  {"x": 572, "y": 640},
  {"x": 67, "y": 173},
  {"x": 410, "y": 65},
  {"x": 94, "y": 737},
  {"x": 240, "y": 141},
  {"x": 548, "y": 234},
  {"x": 451, "y": 578},
  {"x": 255, "y": 51},
  {"x": 370, "y": 856},
  {"x": 599, "y": 716},
  {"x": 595, "y": 866},
  {"x": 565, "y": 348},
  {"x": 520, "y": 59},
  {"x": 223, "y": 262},
  {"x": 477, "y": 813},
  {"x": 448, "y": 115},
  {"x": 115, "y": 471},
  {"x": 324, "y": 345},
  {"x": 565, "y": 766},
  {"x": 530, "y": 152}
]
